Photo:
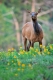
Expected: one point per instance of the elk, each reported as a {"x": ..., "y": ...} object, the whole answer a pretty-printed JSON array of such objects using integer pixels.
[{"x": 32, "y": 32}]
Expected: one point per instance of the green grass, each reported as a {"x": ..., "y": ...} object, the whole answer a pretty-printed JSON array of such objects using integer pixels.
[{"x": 24, "y": 65}]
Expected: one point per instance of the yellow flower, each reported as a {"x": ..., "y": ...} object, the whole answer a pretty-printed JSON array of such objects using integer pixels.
[
  {"x": 36, "y": 50},
  {"x": 41, "y": 46},
  {"x": 8, "y": 63},
  {"x": 21, "y": 52},
  {"x": 32, "y": 48},
  {"x": 39, "y": 53},
  {"x": 15, "y": 57},
  {"x": 23, "y": 65},
  {"x": 12, "y": 49},
  {"x": 50, "y": 47},
  {"x": 12, "y": 61},
  {"x": 21, "y": 47},
  {"x": 16, "y": 74},
  {"x": 48, "y": 52},
  {"x": 30, "y": 65},
  {"x": 7, "y": 68},
  {"x": 18, "y": 69},
  {"x": 9, "y": 49},
  {"x": 19, "y": 63},
  {"x": 45, "y": 50}
]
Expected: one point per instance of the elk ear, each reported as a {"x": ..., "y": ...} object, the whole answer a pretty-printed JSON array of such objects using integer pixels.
[
  {"x": 38, "y": 11},
  {"x": 28, "y": 11}
]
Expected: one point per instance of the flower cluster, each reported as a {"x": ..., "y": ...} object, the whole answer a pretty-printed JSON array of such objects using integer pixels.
[{"x": 23, "y": 60}]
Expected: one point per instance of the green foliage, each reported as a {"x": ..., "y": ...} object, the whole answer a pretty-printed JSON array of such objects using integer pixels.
[
  {"x": 24, "y": 65},
  {"x": 6, "y": 28}
]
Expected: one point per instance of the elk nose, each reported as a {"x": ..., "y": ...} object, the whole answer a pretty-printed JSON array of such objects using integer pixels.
[{"x": 33, "y": 14}]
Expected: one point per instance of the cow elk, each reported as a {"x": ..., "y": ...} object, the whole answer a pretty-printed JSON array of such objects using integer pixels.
[{"x": 32, "y": 32}]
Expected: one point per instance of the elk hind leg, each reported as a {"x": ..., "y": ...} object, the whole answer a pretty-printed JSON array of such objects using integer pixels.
[
  {"x": 40, "y": 45},
  {"x": 29, "y": 44},
  {"x": 25, "y": 44},
  {"x": 32, "y": 44}
]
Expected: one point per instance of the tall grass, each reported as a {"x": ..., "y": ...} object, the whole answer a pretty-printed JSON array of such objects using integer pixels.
[{"x": 24, "y": 65}]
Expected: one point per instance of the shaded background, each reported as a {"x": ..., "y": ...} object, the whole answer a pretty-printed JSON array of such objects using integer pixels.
[{"x": 13, "y": 15}]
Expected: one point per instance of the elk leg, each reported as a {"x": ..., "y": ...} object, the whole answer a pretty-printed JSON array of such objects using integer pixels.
[
  {"x": 40, "y": 43},
  {"x": 28, "y": 47},
  {"x": 25, "y": 43},
  {"x": 32, "y": 44}
]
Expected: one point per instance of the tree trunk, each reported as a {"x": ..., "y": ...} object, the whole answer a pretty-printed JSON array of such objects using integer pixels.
[
  {"x": 24, "y": 17},
  {"x": 33, "y": 6},
  {"x": 24, "y": 13},
  {"x": 17, "y": 30}
]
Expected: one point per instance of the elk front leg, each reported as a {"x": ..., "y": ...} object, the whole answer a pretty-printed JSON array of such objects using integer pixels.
[
  {"x": 40, "y": 45},
  {"x": 25, "y": 43},
  {"x": 32, "y": 44},
  {"x": 29, "y": 44}
]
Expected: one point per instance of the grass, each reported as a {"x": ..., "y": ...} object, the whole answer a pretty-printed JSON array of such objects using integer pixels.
[{"x": 24, "y": 65}]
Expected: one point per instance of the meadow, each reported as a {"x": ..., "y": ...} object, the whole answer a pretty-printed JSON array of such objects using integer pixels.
[
  {"x": 23, "y": 65},
  {"x": 15, "y": 63}
]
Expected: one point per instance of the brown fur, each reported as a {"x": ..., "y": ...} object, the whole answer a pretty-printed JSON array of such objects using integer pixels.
[{"x": 29, "y": 33}]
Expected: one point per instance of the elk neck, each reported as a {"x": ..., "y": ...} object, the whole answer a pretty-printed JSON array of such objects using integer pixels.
[{"x": 36, "y": 27}]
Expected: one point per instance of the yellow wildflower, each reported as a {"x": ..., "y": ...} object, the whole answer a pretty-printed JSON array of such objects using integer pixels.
[
  {"x": 21, "y": 52},
  {"x": 39, "y": 53},
  {"x": 50, "y": 47},
  {"x": 48, "y": 52},
  {"x": 9, "y": 49},
  {"x": 19, "y": 63},
  {"x": 7, "y": 68},
  {"x": 30, "y": 65},
  {"x": 18, "y": 69},
  {"x": 16, "y": 74},
  {"x": 45, "y": 50},
  {"x": 8, "y": 63},
  {"x": 23, "y": 65},
  {"x": 21, "y": 47},
  {"x": 31, "y": 48},
  {"x": 12, "y": 49},
  {"x": 12, "y": 61},
  {"x": 36, "y": 50},
  {"x": 14, "y": 56},
  {"x": 41, "y": 46}
]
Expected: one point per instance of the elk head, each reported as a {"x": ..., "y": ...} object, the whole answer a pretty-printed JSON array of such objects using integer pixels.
[{"x": 34, "y": 14}]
